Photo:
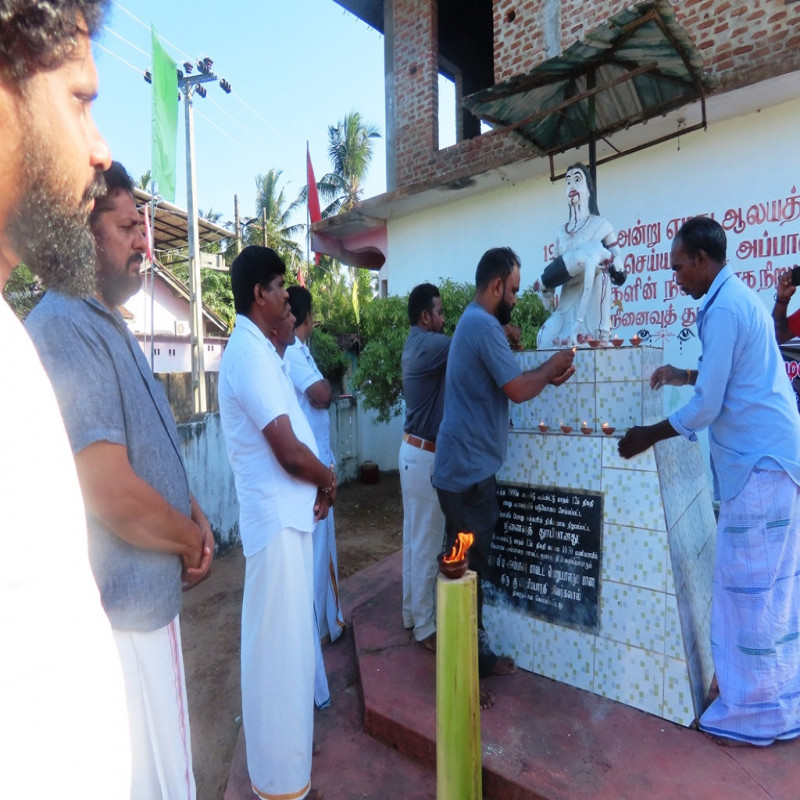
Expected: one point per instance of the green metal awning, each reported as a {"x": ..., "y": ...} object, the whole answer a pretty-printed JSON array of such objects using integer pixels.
[{"x": 637, "y": 65}]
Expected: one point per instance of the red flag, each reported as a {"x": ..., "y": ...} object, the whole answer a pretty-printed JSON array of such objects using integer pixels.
[
  {"x": 313, "y": 196},
  {"x": 314, "y": 214},
  {"x": 300, "y": 279},
  {"x": 148, "y": 233}
]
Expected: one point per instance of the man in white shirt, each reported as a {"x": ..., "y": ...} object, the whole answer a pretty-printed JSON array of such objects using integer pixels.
[
  {"x": 283, "y": 488},
  {"x": 314, "y": 394}
]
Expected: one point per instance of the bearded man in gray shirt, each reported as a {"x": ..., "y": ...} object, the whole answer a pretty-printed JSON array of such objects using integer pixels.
[{"x": 148, "y": 537}]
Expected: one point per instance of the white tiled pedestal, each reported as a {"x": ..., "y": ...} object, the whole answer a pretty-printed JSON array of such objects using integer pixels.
[{"x": 652, "y": 648}]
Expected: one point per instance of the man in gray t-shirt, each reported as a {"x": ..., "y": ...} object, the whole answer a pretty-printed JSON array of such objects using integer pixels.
[
  {"x": 148, "y": 537},
  {"x": 482, "y": 376},
  {"x": 423, "y": 366}
]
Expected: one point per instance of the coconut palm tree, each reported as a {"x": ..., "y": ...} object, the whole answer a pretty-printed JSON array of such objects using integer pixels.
[
  {"x": 280, "y": 231},
  {"x": 350, "y": 148}
]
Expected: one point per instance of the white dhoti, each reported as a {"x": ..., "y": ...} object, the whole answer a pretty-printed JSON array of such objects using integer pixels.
[
  {"x": 423, "y": 539},
  {"x": 755, "y": 635},
  {"x": 161, "y": 746},
  {"x": 278, "y": 635},
  {"x": 327, "y": 608}
]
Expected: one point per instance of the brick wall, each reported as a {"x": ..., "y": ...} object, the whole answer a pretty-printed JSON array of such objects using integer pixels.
[
  {"x": 416, "y": 87},
  {"x": 741, "y": 42}
]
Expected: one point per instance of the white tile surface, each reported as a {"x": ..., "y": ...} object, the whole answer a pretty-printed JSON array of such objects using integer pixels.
[
  {"x": 632, "y": 615},
  {"x": 635, "y": 556},
  {"x": 630, "y": 675}
]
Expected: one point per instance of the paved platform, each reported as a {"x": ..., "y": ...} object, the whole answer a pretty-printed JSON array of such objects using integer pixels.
[{"x": 541, "y": 740}]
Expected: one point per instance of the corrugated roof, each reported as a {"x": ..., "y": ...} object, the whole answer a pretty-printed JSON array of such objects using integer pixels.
[
  {"x": 170, "y": 229},
  {"x": 638, "y": 64}
]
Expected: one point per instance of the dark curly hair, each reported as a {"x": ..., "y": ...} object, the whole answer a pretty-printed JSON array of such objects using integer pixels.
[
  {"x": 40, "y": 35},
  {"x": 115, "y": 178}
]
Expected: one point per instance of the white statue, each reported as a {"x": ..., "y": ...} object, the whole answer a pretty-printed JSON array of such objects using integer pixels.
[{"x": 587, "y": 258}]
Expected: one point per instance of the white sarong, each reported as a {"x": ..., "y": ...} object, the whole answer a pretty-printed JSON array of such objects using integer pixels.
[
  {"x": 327, "y": 608},
  {"x": 755, "y": 636},
  {"x": 161, "y": 746},
  {"x": 278, "y": 633}
]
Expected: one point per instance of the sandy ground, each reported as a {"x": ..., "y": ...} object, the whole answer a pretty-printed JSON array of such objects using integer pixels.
[{"x": 369, "y": 526}]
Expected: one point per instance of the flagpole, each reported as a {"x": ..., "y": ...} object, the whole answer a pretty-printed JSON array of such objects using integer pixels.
[
  {"x": 150, "y": 249},
  {"x": 308, "y": 212}
]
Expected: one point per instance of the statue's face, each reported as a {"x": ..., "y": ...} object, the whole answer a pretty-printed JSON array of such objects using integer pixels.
[{"x": 577, "y": 189}]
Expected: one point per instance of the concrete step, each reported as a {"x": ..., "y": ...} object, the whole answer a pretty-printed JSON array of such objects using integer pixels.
[{"x": 544, "y": 740}]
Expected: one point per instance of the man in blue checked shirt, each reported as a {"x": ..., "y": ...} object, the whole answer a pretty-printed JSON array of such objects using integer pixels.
[{"x": 742, "y": 395}]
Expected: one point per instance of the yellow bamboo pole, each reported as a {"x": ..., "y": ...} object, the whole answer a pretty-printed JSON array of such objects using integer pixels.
[{"x": 458, "y": 722}]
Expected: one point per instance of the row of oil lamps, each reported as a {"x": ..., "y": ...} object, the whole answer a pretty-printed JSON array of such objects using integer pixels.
[{"x": 606, "y": 428}]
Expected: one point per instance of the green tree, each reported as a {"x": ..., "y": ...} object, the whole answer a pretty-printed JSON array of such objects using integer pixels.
[
  {"x": 23, "y": 291},
  {"x": 330, "y": 359},
  {"x": 351, "y": 149},
  {"x": 378, "y": 377},
  {"x": 280, "y": 231},
  {"x": 145, "y": 182}
]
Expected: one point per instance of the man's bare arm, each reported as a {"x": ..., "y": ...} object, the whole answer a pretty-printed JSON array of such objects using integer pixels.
[
  {"x": 320, "y": 394},
  {"x": 555, "y": 371},
  {"x": 132, "y": 508},
  {"x": 296, "y": 458},
  {"x": 783, "y": 295}
]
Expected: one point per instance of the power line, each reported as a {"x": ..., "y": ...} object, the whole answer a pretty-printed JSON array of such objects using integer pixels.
[
  {"x": 236, "y": 141},
  {"x": 137, "y": 70},
  {"x": 266, "y": 122},
  {"x": 147, "y": 27},
  {"x": 226, "y": 134},
  {"x": 238, "y": 122},
  {"x": 123, "y": 39}
]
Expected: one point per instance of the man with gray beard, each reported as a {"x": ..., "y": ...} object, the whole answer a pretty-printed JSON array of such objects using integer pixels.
[
  {"x": 148, "y": 537},
  {"x": 61, "y": 693}
]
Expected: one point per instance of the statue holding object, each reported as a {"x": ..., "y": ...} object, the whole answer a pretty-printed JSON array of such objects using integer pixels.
[{"x": 587, "y": 261}]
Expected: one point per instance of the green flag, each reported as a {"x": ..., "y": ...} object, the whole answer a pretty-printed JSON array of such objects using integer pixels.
[{"x": 165, "y": 119}]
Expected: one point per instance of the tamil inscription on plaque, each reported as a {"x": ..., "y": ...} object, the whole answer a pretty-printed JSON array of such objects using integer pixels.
[{"x": 546, "y": 555}]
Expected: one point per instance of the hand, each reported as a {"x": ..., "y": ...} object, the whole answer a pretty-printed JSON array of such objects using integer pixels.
[
  {"x": 513, "y": 333},
  {"x": 785, "y": 290},
  {"x": 668, "y": 376},
  {"x": 561, "y": 366},
  {"x": 331, "y": 493},
  {"x": 322, "y": 505},
  {"x": 194, "y": 574},
  {"x": 635, "y": 441}
]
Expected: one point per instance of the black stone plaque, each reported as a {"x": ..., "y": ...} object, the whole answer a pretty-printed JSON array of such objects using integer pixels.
[{"x": 546, "y": 554}]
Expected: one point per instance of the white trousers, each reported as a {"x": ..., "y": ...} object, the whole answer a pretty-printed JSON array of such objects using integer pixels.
[
  {"x": 278, "y": 634},
  {"x": 423, "y": 539},
  {"x": 161, "y": 746},
  {"x": 327, "y": 608}
]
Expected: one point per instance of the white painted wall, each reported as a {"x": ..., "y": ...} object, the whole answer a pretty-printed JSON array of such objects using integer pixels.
[
  {"x": 380, "y": 442},
  {"x": 210, "y": 476}
]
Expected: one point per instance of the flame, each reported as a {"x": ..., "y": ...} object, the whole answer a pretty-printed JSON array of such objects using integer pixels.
[{"x": 459, "y": 551}]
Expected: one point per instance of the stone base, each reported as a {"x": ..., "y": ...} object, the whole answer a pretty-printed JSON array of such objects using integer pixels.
[{"x": 652, "y": 650}]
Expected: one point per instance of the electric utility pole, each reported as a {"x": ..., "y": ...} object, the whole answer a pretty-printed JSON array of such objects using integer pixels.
[{"x": 188, "y": 84}]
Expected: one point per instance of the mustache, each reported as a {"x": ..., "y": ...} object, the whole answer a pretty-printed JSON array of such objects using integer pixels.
[{"x": 97, "y": 188}]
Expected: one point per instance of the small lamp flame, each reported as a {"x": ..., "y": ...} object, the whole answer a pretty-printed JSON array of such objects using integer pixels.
[{"x": 459, "y": 550}]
